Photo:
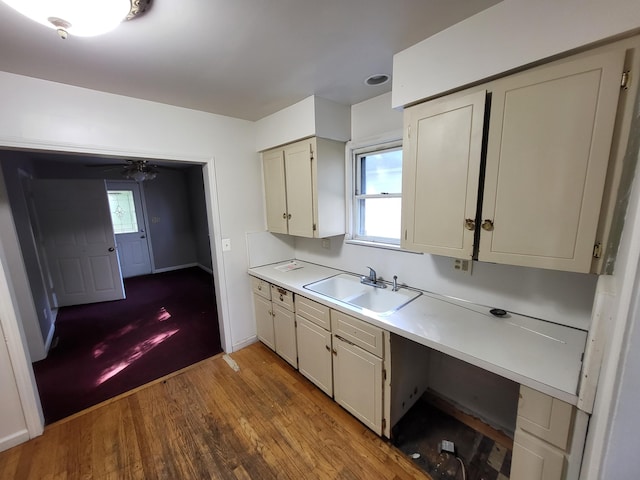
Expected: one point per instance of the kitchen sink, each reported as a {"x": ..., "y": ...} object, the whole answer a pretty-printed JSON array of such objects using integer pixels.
[{"x": 348, "y": 289}]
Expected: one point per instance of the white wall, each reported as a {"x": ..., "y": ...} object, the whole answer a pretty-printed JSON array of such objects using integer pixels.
[
  {"x": 313, "y": 116},
  {"x": 40, "y": 114},
  {"x": 508, "y": 35}
]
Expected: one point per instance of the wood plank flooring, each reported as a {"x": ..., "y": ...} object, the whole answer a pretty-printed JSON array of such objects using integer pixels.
[{"x": 210, "y": 422}]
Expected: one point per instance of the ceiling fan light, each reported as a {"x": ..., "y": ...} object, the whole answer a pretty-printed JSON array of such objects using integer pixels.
[{"x": 85, "y": 18}]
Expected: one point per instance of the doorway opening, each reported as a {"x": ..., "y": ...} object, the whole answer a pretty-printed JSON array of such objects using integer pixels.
[{"x": 174, "y": 222}]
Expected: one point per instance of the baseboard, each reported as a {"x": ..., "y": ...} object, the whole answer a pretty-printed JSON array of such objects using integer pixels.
[
  {"x": 175, "y": 267},
  {"x": 206, "y": 269},
  {"x": 244, "y": 343},
  {"x": 14, "y": 439}
]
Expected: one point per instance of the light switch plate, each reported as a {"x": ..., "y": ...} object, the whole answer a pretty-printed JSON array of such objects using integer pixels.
[{"x": 226, "y": 244}]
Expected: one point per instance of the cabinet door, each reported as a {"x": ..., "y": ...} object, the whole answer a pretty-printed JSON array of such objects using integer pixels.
[
  {"x": 299, "y": 188},
  {"x": 357, "y": 383},
  {"x": 545, "y": 417},
  {"x": 275, "y": 190},
  {"x": 264, "y": 321},
  {"x": 284, "y": 328},
  {"x": 314, "y": 354},
  {"x": 441, "y": 171},
  {"x": 533, "y": 459},
  {"x": 549, "y": 142}
]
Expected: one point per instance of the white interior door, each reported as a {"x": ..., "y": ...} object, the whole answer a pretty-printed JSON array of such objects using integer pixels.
[
  {"x": 127, "y": 215},
  {"x": 78, "y": 240}
]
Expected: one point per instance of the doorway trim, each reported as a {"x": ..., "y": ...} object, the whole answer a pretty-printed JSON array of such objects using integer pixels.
[{"x": 19, "y": 355}]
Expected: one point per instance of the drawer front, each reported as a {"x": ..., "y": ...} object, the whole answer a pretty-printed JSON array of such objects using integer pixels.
[
  {"x": 356, "y": 331},
  {"x": 313, "y": 311},
  {"x": 280, "y": 296},
  {"x": 260, "y": 287},
  {"x": 544, "y": 417}
]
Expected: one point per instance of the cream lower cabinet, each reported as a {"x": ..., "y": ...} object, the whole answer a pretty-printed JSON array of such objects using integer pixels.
[
  {"x": 264, "y": 314},
  {"x": 548, "y": 144},
  {"x": 358, "y": 369},
  {"x": 314, "y": 343},
  {"x": 275, "y": 319},
  {"x": 549, "y": 438}
]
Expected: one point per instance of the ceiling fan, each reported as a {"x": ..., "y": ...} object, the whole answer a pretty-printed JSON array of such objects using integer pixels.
[{"x": 138, "y": 170}]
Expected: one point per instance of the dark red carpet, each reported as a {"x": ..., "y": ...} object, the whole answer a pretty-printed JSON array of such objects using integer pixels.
[{"x": 168, "y": 321}]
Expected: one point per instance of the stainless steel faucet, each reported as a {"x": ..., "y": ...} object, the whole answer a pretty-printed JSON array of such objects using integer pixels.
[
  {"x": 372, "y": 279},
  {"x": 395, "y": 284}
]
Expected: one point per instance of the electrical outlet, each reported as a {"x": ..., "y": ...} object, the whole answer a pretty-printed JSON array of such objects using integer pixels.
[
  {"x": 226, "y": 244},
  {"x": 447, "y": 446},
  {"x": 326, "y": 243},
  {"x": 462, "y": 266}
]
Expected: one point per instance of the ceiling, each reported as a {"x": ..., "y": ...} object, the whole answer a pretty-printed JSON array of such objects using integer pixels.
[{"x": 240, "y": 58}]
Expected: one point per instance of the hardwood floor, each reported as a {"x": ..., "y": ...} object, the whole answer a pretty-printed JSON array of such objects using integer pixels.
[{"x": 209, "y": 421}]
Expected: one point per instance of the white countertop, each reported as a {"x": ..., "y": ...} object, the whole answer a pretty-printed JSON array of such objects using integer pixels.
[{"x": 539, "y": 354}]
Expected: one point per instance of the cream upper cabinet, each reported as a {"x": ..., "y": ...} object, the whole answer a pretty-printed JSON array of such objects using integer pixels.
[
  {"x": 536, "y": 199},
  {"x": 441, "y": 171},
  {"x": 304, "y": 188},
  {"x": 548, "y": 150},
  {"x": 274, "y": 190}
]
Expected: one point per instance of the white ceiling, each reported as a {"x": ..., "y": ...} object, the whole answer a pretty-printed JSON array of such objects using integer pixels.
[{"x": 241, "y": 58}]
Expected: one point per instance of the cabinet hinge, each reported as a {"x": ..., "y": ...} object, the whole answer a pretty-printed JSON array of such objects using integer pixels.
[
  {"x": 384, "y": 423},
  {"x": 409, "y": 131},
  {"x": 315, "y": 227},
  {"x": 311, "y": 151},
  {"x": 384, "y": 374},
  {"x": 625, "y": 81},
  {"x": 405, "y": 234},
  {"x": 295, "y": 323},
  {"x": 597, "y": 250}
]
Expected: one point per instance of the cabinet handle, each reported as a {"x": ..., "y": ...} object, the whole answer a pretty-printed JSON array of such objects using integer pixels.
[
  {"x": 335, "y": 352},
  {"x": 487, "y": 225},
  {"x": 284, "y": 215},
  {"x": 289, "y": 216},
  {"x": 281, "y": 299},
  {"x": 470, "y": 224},
  {"x": 328, "y": 348},
  {"x": 260, "y": 287}
]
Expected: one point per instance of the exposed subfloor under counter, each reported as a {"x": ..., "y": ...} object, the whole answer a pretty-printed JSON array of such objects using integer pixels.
[{"x": 544, "y": 356}]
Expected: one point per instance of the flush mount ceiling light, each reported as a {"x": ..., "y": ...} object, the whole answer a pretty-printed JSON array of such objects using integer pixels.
[
  {"x": 80, "y": 17},
  {"x": 377, "y": 79}
]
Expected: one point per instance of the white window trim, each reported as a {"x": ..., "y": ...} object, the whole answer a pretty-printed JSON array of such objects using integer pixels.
[{"x": 352, "y": 150}]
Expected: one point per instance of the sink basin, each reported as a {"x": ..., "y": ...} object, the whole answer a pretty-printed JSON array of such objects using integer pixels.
[{"x": 348, "y": 289}]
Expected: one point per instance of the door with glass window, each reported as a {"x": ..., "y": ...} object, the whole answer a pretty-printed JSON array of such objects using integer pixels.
[{"x": 127, "y": 216}]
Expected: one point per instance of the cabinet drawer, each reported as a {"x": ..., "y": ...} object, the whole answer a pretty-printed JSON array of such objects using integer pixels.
[
  {"x": 313, "y": 311},
  {"x": 356, "y": 331},
  {"x": 280, "y": 296},
  {"x": 544, "y": 417},
  {"x": 260, "y": 287}
]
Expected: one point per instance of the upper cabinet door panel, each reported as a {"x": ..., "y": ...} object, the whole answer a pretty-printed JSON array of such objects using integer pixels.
[
  {"x": 274, "y": 190},
  {"x": 299, "y": 188},
  {"x": 549, "y": 142},
  {"x": 442, "y": 170}
]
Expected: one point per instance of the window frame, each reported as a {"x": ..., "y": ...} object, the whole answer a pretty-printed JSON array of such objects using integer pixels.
[{"x": 354, "y": 179}]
